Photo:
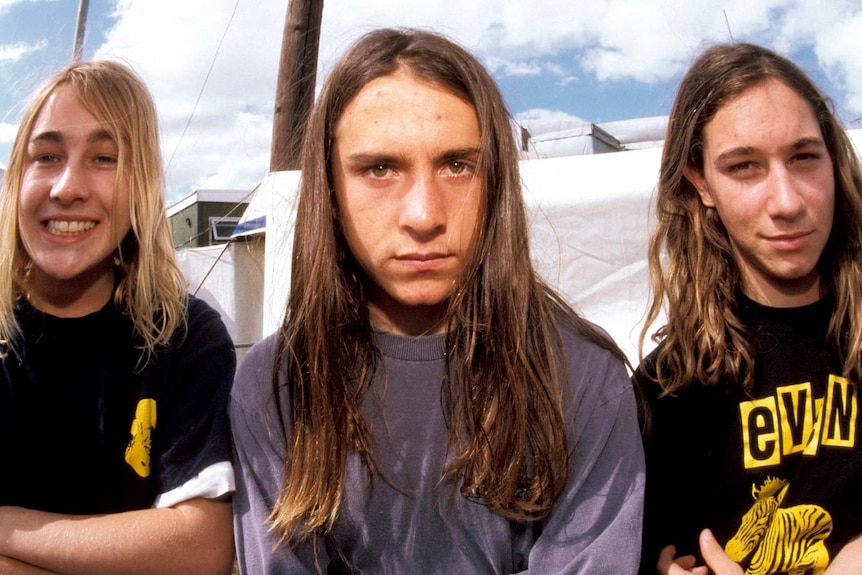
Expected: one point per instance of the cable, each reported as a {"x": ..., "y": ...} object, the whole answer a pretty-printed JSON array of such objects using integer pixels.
[{"x": 203, "y": 87}]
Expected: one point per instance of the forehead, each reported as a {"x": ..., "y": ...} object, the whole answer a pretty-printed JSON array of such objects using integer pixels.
[
  {"x": 402, "y": 100},
  {"x": 63, "y": 110},
  {"x": 764, "y": 114}
]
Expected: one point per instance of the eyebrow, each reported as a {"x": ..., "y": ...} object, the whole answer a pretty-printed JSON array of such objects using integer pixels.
[
  {"x": 747, "y": 151},
  {"x": 383, "y": 158},
  {"x": 54, "y": 136}
]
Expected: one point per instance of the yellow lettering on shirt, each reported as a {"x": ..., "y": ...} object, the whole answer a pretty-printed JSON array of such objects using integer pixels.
[{"x": 794, "y": 421}]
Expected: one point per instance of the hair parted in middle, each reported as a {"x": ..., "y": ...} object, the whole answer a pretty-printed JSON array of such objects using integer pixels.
[
  {"x": 504, "y": 399},
  {"x": 151, "y": 289},
  {"x": 704, "y": 339}
]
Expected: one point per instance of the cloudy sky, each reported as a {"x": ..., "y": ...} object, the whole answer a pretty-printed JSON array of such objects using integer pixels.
[{"x": 212, "y": 64}]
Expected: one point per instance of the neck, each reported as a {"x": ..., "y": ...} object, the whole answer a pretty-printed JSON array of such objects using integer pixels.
[
  {"x": 413, "y": 321},
  {"x": 794, "y": 294},
  {"x": 69, "y": 298}
]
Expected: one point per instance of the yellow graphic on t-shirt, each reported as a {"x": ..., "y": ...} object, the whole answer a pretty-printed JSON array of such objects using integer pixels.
[
  {"x": 783, "y": 540},
  {"x": 794, "y": 421},
  {"x": 138, "y": 450}
]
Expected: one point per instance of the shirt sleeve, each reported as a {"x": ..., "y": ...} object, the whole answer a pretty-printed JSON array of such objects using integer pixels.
[
  {"x": 192, "y": 416},
  {"x": 259, "y": 453},
  {"x": 596, "y": 524}
]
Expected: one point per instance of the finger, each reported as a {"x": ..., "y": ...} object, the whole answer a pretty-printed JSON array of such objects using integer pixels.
[
  {"x": 665, "y": 560},
  {"x": 685, "y": 561},
  {"x": 715, "y": 557},
  {"x": 670, "y": 565}
]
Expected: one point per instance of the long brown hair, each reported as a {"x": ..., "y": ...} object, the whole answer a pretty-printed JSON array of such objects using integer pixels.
[
  {"x": 151, "y": 288},
  {"x": 504, "y": 385},
  {"x": 704, "y": 339}
]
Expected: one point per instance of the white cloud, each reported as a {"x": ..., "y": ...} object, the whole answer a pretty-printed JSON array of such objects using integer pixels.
[
  {"x": 229, "y": 133},
  {"x": 7, "y": 132},
  {"x": 6, "y": 4},
  {"x": 566, "y": 40},
  {"x": 14, "y": 52},
  {"x": 546, "y": 115},
  {"x": 838, "y": 50}
]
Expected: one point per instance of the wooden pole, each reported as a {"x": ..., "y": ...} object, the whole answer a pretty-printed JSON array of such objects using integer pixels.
[{"x": 297, "y": 71}]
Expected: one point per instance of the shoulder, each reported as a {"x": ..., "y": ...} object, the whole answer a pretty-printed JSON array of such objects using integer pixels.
[
  {"x": 593, "y": 369},
  {"x": 203, "y": 325},
  {"x": 199, "y": 311},
  {"x": 255, "y": 373}
]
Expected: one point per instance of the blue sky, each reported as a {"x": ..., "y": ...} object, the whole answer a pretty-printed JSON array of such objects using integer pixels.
[{"x": 595, "y": 60}]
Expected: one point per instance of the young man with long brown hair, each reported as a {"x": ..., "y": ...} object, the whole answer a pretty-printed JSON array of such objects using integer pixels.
[
  {"x": 752, "y": 431},
  {"x": 428, "y": 405}
]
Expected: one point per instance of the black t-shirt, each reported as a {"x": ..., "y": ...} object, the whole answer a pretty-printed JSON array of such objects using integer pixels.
[
  {"x": 775, "y": 473},
  {"x": 86, "y": 427}
]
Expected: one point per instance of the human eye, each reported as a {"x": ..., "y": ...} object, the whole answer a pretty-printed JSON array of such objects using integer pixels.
[
  {"x": 42, "y": 154},
  {"x": 378, "y": 170},
  {"x": 806, "y": 156},
  {"x": 105, "y": 160},
  {"x": 458, "y": 167},
  {"x": 740, "y": 167},
  {"x": 45, "y": 158}
]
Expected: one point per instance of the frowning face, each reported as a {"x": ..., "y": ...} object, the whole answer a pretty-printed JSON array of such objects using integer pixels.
[{"x": 409, "y": 195}]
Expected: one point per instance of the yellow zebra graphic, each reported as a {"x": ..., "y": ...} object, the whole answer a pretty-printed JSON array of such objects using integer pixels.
[
  {"x": 141, "y": 443},
  {"x": 787, "y": 540}
]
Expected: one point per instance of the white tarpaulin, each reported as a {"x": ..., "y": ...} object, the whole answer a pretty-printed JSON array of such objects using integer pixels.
[{"x": 229, "y": 277}]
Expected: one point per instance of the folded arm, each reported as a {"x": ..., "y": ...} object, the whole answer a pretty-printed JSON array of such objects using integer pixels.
[{"x": 193, "y": 537}]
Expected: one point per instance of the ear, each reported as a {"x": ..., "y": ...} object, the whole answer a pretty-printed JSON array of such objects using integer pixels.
[{"x": 695, "y": 176}]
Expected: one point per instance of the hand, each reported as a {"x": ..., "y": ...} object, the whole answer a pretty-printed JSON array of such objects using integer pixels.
[
  {"x": 713, "y": 554},
  {"x": 670, "y": 565}
]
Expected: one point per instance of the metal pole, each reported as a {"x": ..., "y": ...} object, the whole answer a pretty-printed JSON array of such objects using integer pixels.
[{"x": 78, "y": 46}]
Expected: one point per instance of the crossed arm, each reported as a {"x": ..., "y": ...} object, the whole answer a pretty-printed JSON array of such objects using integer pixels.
[
  {"x": 193, "y": 537},
  {"x": 847, "y": 562}
]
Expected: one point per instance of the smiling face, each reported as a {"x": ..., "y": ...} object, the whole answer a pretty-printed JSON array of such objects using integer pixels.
[
  {"x": 768, "y": 174},
  {"x": 66, "y": 216},
  {"x": 404, "y": 161}
]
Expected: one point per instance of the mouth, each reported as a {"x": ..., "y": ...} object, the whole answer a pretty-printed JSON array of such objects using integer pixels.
[
  {"x": 423, "y": 262},
  {"x": 791, "y": 241},
  {"x": 421, "y": 257},
  {"x": 65, "y": 227}
]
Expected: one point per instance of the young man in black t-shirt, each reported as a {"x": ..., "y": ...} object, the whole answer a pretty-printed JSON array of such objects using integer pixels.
[{"x": 751, "y": 415}]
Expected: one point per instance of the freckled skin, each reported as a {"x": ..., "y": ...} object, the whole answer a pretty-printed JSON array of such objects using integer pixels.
[{"x": 769, "y": 175}]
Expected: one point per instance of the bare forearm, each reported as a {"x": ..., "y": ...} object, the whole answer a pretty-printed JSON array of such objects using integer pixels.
[
  {"x": 9, "y": 566},
  {"x": 194, "y": 537}
]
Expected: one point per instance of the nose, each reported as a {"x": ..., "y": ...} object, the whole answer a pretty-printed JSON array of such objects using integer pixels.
[
  {"x": 423, "y": 213},
  {"x": 70, "y": 185},
  {"x": 785, "y": 200}
]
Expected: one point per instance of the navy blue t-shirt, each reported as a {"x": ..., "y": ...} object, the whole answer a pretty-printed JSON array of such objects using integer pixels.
[{"x": 87, "y": 427}]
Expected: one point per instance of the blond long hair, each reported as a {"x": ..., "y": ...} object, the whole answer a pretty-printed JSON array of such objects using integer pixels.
[
  {"x": 504, "y": 384},
  {"x": 704, "y": 339},
  {"x": 151, "y": 288}
]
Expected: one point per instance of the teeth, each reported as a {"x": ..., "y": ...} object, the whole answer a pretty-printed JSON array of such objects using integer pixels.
[{"x": 66, "y": 227}]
